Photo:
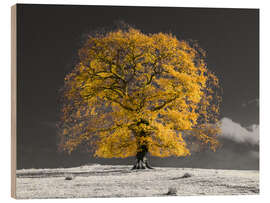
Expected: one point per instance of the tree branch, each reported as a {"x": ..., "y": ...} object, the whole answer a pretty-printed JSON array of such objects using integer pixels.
[
  {"x": 164, "y": 103},
  {"x": 122, "y": 105}
]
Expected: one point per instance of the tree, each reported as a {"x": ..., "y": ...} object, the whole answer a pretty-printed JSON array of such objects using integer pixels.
[{"x": 133, "y": 93}]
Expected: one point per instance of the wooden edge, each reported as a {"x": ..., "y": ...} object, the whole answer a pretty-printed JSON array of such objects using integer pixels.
[{"x": 13, "y": 99}]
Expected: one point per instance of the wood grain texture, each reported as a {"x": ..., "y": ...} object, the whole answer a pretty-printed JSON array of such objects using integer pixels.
[{"x": 13, "y": 99}]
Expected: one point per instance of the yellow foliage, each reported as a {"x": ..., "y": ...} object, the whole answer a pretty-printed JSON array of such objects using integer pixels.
[{"x": 131, "y": 89}]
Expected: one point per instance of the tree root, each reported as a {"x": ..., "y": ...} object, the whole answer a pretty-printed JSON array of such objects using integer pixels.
[{"x": 141, "y": 165}]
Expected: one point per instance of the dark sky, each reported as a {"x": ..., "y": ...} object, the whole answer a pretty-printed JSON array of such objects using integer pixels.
[{"x": 50, "y": 36}]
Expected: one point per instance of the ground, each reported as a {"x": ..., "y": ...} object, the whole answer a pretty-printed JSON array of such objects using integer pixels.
[{"x": 119, "y": 181}]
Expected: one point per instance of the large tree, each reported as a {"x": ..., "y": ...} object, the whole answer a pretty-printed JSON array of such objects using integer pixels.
[{"x": 133, "y": 93}]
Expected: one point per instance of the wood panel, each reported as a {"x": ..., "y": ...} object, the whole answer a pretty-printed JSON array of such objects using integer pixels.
[{"x": 13, "y": 99}]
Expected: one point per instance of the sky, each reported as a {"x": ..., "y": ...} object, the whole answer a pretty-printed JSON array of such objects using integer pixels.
[{"x": 49, "y": 37}]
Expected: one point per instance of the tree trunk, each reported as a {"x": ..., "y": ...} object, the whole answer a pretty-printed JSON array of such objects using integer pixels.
[
  {"x": 141, "y": 159},
  {"x": 142, "y": 149}
]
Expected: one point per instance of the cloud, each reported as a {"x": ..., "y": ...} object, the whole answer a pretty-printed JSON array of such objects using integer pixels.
[
  {"x": 235, "y": 132},
  {"x": 252, "y": 101}
]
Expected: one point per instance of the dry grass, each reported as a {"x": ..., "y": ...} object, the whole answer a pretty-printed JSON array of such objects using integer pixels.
[{"x": 120, "y": 181}]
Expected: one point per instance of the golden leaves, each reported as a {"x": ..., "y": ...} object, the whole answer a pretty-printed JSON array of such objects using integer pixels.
[{"x": 131, "y": 88}]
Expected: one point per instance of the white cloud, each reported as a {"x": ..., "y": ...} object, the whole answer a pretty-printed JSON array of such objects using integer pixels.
[
  {"x": 235, "y": 132},
  {"x": 252, "y": 101}
]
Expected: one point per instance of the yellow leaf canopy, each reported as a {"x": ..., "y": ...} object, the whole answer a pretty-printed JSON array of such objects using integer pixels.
[{"x": 128, "y": 84}]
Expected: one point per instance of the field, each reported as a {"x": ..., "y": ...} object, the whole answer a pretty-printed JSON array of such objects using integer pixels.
[{"x": 120, "y": 181}]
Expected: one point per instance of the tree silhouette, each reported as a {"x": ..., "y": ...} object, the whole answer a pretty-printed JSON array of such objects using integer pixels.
[{"x": 133, "y": 93}]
